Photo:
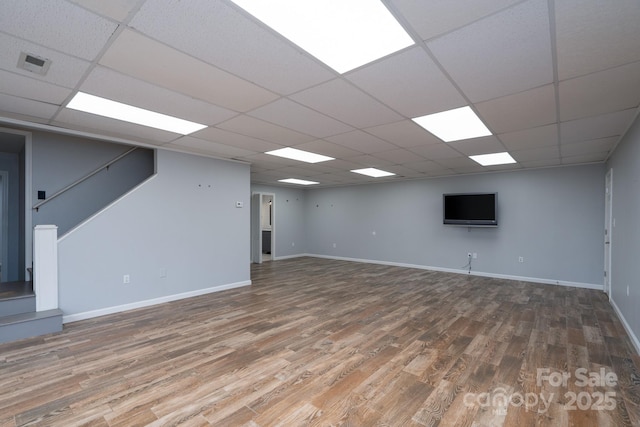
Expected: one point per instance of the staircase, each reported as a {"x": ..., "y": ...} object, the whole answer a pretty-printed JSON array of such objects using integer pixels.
[{"x": 18, "y": 316}]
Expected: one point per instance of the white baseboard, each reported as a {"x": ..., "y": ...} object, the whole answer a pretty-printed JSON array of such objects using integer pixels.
[
  {"x": 278, "y": 258},
  {"x": 146, "y": 303},
  {"x": 473, "y": 273},
  {"x": 627, "y": 327}
]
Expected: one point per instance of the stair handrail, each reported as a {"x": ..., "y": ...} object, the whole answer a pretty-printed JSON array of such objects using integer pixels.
[{"x": 84, "y": 178}]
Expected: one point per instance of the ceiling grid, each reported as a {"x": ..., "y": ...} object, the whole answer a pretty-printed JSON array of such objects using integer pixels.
[{"x": 556, "y": 83}]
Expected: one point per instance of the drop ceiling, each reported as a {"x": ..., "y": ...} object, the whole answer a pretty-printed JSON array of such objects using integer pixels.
[{"x": 556, "y": 82}]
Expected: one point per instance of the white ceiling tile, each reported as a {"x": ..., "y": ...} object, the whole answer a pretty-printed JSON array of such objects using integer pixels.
[
  {"x": 531, "y": 108},
  {"x": 405, "y": 133},
  {"x": 37, "y": 90},
  {"x": 398, "y": 156},
  {"x": 251, "y": 126},
  {"x": 342, "y": 101},
  {"x": 410, "y": 83},
  {"x": 57, "y": 24},
  {"x": 322, "y": 167},
  {"x": 361, "y": 141},
  {"x": 505, "y": 53},
  {"x": 297, "y": 172},
  {"x": 475, "y": 146},
  {"x": 544, "y": 153},
  {"x": 146, "y": 59},
  {"x": 244, "y": 142},
  {"x": 270, "y": 162},
  {"x": 405, "y": 172},
  {"x": 427, "y": 167},
  {"x": 370, "y": 161},
  {"x": 221, "y": 34},
  {"x": 208, "y": 147},
  {"x": 343, "y": 165},
  {"x": 461, "y": 164},
  {"x": 505, "y": 167},
  {"x": 119, "y": 87},
  {"x": 11, "y": 105},
  {"x": 64, "y": 70},
  {"x": 91, "y": 123},
  {"x": 114, "y": 9},
  {"x": 588, "y": 147},
  {"x": 597, "y": 127},
  {"x": 435, "y": 151},
  {"x": 585, "y": 158},
  {"x": 320, "y": 146},
  {"x": 542, "y": 136},
  {"x": 441, "y": 16},
  {"x": 289, "y": 114},
  {"x": 595, "y": 35},
  {"x": 471, "y": 169},
  {"x": 541, "y": 163},
  {"x": 599, "y": 93}
]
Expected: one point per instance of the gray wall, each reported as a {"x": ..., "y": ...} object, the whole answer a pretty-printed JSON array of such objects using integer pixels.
[
  {"x": 290, "y": 220},
  {"x": 183, "y": 222},
  {"x": 553, "y": 218},
  {"x": 60, "y": 160},
  {"x": 625, "y": 238}
]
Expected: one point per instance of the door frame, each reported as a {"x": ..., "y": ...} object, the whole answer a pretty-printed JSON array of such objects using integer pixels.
[
  {"x": 4, "y": 223},
  {"x": 256, "y": 225},
  {"x": 28, "y": 202},
  {"x": 608, "y": 230}
]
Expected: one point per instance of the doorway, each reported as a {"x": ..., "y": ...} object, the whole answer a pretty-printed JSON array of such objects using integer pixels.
[
  {"x": 608, "y": 233},
  {"x": 4, "y": 223},
  {"x": 15, "y": 222},
  {"x": 263, "y": 227}
]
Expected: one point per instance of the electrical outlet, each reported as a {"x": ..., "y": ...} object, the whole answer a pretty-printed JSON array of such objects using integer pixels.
[
  {"x": 334, "y": 245},
  {"x": 520, "y": 259},
  {"x": 475, "y": 255},
  {"x": 126, "y": 279}
]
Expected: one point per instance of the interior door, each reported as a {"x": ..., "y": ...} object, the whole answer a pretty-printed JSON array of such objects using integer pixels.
[
  {"x": 608, "y": 231},
  {"x": 256, "y": 229}
]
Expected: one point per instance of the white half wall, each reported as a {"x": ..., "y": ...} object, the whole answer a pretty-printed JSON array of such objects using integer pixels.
[{"x": 179, "y": 233}]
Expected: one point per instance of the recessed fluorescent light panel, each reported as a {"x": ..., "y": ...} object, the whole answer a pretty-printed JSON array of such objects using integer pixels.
[
  {"x": 344, "y": 34},
  {"x": 297, "y": 181},
  {"x": 493, "y": 159},
  {"x": 303, "y": 156},
  {"x": 119, "y": 111},
  {"x": 454, "y": 125},
  {"x": 373, "y": 172}
]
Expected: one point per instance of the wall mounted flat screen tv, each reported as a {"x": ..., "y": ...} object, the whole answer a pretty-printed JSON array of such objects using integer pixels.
[{"x": 471, "y": 209}]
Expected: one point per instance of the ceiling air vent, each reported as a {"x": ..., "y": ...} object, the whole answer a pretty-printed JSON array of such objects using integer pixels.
[{"x": 33, "y": 63}]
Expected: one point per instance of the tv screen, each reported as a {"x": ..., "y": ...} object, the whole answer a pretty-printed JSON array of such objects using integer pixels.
[{"x": 472, "y": 209}]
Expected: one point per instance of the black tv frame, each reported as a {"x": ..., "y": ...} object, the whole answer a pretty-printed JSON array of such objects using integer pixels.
[{"x": 470, "y": 222}]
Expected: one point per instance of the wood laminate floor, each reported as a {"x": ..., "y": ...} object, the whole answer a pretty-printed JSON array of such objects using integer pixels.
[{"x": 320, "y": 342}]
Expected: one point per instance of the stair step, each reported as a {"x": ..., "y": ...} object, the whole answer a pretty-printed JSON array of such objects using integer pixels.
[
  {"x": 26, "y": 325},
  {"x": 17, "y": 305}
]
